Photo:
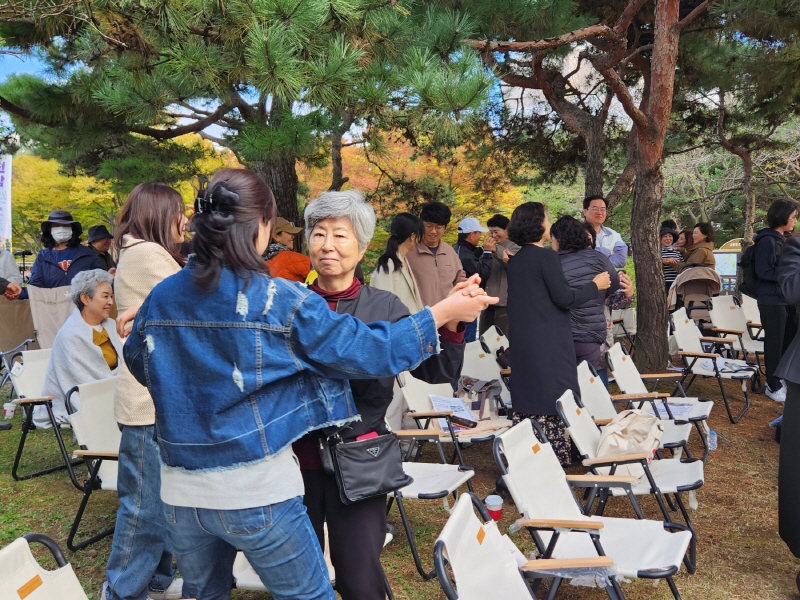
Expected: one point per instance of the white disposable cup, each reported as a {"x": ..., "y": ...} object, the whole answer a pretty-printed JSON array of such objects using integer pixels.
[
  {"x": 494, "y": 505},
  {"x": 9, "y": 408}
]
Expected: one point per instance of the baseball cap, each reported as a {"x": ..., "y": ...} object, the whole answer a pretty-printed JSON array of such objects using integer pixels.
[
  {"x": 282, "y": 225},
  {"x": 471, "y": 225}
]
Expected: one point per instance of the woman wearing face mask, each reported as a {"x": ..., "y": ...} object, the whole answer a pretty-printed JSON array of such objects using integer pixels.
[{"x": 63, "y": 256}]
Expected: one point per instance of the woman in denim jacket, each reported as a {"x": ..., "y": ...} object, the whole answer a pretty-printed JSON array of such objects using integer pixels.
[{"x": 241, "y": 365}]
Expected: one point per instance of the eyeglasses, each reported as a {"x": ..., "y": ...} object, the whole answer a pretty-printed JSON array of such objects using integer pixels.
[{"x": 597, "y": 209}]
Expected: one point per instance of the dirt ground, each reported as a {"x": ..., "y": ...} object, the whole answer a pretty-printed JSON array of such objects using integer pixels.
[{"x": 740, "y": 554}]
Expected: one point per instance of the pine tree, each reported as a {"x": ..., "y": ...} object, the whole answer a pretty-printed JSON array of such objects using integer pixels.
[{"x": 277, "y": 76}]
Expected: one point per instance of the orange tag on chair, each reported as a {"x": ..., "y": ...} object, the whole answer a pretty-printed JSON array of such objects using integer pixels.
[
  {"x": 591, "y": 379},
  {"x": 536, "y": 449},
  {"x": 577, "y": 411},
  {"x": 27, "y": 589},
  {"x": 732, "y": 308},
  {"x": 686, "y": 321},
  {"x": 481, "y": 535},
  {"x": 481, "y": 356},
  {"x": 624, "y": 358}
]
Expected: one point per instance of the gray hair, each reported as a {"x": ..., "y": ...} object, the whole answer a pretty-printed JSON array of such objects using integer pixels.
[
  {"x": 350, "y": 205},
  {"x": 86, "y": 282}
]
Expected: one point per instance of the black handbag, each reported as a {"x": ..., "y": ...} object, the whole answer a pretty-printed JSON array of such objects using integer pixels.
[{"x": 364, "y": 468}]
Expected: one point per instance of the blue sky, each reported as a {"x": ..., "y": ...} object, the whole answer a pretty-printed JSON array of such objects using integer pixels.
[{"x": 10, "y": 64}]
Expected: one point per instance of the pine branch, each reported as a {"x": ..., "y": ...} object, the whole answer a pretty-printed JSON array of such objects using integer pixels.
[
  {"x": 603, "y": 31},
  {"x": 698, "y": 10},
  {"x": 168, "y": 134}
]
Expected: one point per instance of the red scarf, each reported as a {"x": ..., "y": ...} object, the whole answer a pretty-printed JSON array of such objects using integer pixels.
[{"x": 333, "y": 297}]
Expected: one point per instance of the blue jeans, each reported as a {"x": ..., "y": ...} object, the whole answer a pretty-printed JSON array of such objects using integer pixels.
[
  {"x": 139, "y": 557},
  {"x": 278, "y": 540}
]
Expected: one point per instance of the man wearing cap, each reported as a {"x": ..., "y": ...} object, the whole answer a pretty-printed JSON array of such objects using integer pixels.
[
  {"x": 282, "y": 261},
  {"x": 434, "y": 263},
  {"x": 100, "y": 240},
  {"x": 63, "y": 256},
  {"x": 474, "y": 259}
]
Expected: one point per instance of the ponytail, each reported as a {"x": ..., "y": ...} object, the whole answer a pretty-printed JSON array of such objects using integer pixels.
[{"x": 403, "y": 227}]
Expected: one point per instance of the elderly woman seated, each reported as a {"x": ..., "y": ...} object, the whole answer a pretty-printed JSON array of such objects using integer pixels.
[{"x": 86, "y": 348}]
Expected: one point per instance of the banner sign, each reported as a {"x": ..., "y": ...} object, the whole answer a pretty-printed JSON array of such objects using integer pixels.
[{"x": 5, "y": 201}]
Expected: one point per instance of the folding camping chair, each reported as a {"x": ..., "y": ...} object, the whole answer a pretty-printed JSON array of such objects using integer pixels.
[
  {"x": 750, "y": 308},
  {"x": 22, "y": 577},
  {"x": 7, "y": 359},
  {"x": 624, "y": 323},
  {"x": 542, "y": 493},
  {"x": 728, "y": 318},
  {"x": 690, "y": 342},
  {"x": 493, "y": 339},
  {"x": 487, "y": 564},
  {"x": 417, "y": 396},
  {"x": 246, "y": 578},
  {"x": 661, "y": 477},
  {"x": 27, "y": 377},
  {"x": 480, "y": 364},
  {"x": 95, "y": 428},
  {"x": 631, "y": 382},
  {"x": 600, "y": 404}
]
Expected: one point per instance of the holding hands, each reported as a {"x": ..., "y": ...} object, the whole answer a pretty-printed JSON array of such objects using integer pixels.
[
  {"x": 12, "y": 291},
  {"x": 464, "y": 303}
]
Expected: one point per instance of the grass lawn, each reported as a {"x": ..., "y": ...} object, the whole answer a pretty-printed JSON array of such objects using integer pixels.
[{"x": 739, "y": 552}]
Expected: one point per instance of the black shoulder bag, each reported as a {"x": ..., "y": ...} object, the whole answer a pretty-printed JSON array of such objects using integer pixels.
[{"x": 364, "y": 468}]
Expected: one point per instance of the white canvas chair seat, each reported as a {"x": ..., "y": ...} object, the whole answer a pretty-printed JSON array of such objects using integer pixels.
[
  {"x": 97, "y": 433},
  {"x": 246, "y": 578},
  {"x": 599, "y": 403},
  {"x": 541, "y": 491},
  {"x": 689, "y": 341},
  {"x": 433, "y": 480},
  {"x": 22, "y": 577},
  {"x": 671, "y": 476},
  {"x": 750, "y": 308},
  {"x": 417, "y": 395},
  {"x": 494, "y": 340},
  {"x": 483, "y": 365},
  {"x": 727, "y": 315}
]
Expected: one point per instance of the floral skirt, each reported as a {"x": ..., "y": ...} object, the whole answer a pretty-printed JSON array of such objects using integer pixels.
[{"x": 556, "y": 433}]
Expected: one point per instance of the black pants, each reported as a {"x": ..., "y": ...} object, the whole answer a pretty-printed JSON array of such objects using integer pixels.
[
  {"x": 356, "y": 533},
  {"x": 780, "y": 326},
  {"x": 789, "y": 471},
  {"x": 494, "y": 315}
]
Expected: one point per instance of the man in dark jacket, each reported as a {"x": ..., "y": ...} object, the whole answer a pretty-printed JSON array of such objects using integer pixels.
[
  {"x": 474, "y": 259},
  {"x": 778, "y": 319},
  {"x": 100, "y": 240}
]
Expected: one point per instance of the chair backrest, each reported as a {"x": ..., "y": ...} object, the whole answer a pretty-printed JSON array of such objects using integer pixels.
[
  {"x": 625, "y": 372},
  {"x": 628, "y": 316},
  {"x": 750, "y": 307},
  {"x": 726, "y": 313},
  {"x": 417, "y": 393},
  {"x": 686, "y": 333},
  {"x": 95, "y": 426},
  {"x": 580, "y": 425},
  {"x": 482, "y": 559},
  {"x": 494, "y": 339},
  {"x": 534, "y": 477},
  {"x": 50, "y": 308},
  {"x": 480, "y": 364},
  {"x": 29, "y": 378},
  {"x": 594, "y": 395},
  {"x": 22, "y": 577}
]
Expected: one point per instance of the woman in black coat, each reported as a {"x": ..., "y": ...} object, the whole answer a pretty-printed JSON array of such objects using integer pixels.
[
  {"x": 788, "y": 276},
  {"x": 539, "y": 303},
  {"x": 581, "y": 263}
]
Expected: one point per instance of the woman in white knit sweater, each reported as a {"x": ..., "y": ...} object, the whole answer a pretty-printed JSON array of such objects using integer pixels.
[{"x": 150, "y": 229}]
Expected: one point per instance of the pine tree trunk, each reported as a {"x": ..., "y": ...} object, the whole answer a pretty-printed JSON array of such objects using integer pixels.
[
  {"x": 595, "y": 160},
  {"x": 337, "y": 169},
  {"x": 749, "y": 211},
  {"x": 280, "y": 173}
]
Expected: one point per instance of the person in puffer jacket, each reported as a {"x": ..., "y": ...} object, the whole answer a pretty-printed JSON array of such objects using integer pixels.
[{"x": 581, "y": 264}]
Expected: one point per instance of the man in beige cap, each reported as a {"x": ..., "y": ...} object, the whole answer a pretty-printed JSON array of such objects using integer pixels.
[{"x": 282, "y": 261}]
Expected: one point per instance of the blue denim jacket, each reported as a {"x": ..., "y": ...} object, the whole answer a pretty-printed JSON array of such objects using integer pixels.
[{"x": 238, "y": 374}]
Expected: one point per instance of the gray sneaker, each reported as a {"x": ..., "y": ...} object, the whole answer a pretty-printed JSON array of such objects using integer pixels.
[
  {"x": 778, "y": 395},
  {"x": 173, "y": 592}
]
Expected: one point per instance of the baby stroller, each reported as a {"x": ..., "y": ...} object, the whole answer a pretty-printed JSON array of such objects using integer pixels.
[{"x": 691, "y": 289}]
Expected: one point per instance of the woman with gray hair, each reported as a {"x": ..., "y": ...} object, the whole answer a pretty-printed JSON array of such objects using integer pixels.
[
  {"x": 339, "y": 227},
  {"x": 86, "y": 348}
]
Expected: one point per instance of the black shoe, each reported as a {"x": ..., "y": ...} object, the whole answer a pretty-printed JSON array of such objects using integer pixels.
[{"x": 4, "y": 425}]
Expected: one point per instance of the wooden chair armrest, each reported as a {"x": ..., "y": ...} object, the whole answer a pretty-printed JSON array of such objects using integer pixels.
[
  {"x": 33, "y": 400},
  {"x": 602, "y": 421},
  {"x": 646, "y": 396},
  {"x": 617, "y": 321},
  {"x": 754, "y": 324},
  {"x": 560, "y": 524},
  {"x": 717, "y": 340},
  {"x": 590, "y": 479},
  {"x": 724, "y": 330},
  {"x": 429, "y": 414},
  {"x": 606, "y": 460},
  {"x": 505, "y": 371},
  {"x": 699, "y": 354},
  {"x": 556, "y": 564},
  {"x": 665, "y": 376},
  {"x": 431, "y": 434},
  {"x": 94, "y": 454}
]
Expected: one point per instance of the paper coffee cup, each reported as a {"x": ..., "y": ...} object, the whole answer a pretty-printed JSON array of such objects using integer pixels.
[
  {"x": 9, "y": 408},
  {"x": 494, "y": 506}
]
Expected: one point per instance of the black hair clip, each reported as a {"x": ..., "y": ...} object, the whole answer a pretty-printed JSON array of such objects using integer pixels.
[
  {"x": 221, "y": 198},
  {"x": 201, "y": 201}
]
